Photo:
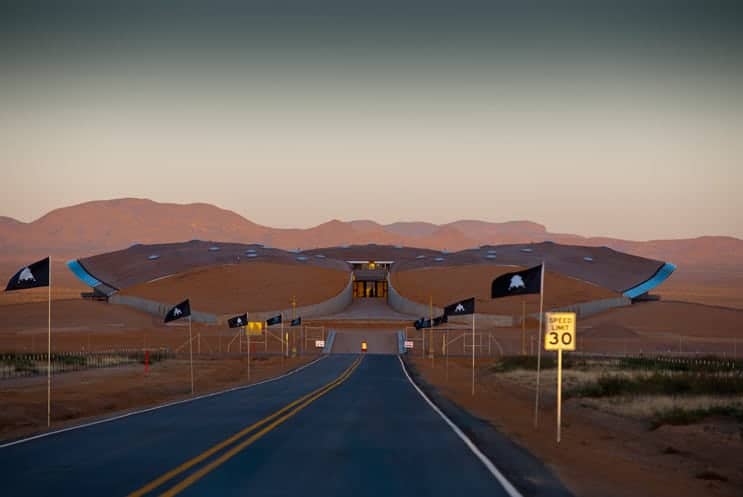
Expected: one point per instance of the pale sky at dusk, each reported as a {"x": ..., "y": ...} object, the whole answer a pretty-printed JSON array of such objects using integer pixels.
[{"x": 622, "y": 122}]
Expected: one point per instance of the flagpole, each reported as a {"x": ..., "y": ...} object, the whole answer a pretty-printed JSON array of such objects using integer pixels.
[
  {"x": 282, "y": 338},
  {"x": 190, "y": 350},
  {"x": 49, "y": 351},
  {"x": 473, "y": 353},
  {"x": 523, "y": 326},
  {"x": 539, "y": 346},
  {"x": 430, "y": 310}
]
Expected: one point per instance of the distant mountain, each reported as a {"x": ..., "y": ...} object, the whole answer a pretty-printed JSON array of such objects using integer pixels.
[{"x": 106, "y": 225}]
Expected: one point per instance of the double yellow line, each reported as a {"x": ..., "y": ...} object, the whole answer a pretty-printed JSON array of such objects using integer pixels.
[{"x": 263, "y": 426}]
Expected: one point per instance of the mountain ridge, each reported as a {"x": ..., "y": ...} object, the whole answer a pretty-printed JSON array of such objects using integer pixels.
[{"x": 105, "y": 225}]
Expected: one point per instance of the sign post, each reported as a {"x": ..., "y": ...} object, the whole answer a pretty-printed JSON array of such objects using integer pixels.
[{"x": 559, "y": 336}]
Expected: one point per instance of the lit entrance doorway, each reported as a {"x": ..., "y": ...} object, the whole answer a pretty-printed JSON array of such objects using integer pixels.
[
  {"x": 370, "y": 289},
  {"x": 370, "y": 278}
]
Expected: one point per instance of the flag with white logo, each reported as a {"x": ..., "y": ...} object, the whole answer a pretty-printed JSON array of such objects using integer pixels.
[
  {"x": 466, "y": 306},
  {"x": 274, "y": 320},
  {"x": 423, "y": 323},
  {"x": 32, "y": 276},
  {"x": 519, "y": 283},
  {"x": 182, "y": 310},
  {"x": 238, "y": 321},
  {"x": 296, "y": 321}
]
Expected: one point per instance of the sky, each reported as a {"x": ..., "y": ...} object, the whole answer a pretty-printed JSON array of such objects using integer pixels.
[{"x": 594, "y": 119}]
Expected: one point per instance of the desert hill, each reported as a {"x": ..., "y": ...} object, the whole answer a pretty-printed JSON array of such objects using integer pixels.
[{"x": 105, "y": 225}]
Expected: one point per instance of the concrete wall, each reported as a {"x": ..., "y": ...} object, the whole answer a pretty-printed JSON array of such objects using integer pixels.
[
  {"x": 586, "y": 309},
  {"x": 407, "y": 306},
  {"x": 401, "y": 304},
  {"x": 158, "y": 308},
  {"x": 331, "y": 306}
]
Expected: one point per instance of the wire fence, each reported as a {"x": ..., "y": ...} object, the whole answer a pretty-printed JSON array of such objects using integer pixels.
[{"x": 18, "y": 365}]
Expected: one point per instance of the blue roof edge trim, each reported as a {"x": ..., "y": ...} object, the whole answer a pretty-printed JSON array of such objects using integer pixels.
[
  {"x": 78, "y": 270},
  {"x": 659, "y": 277}
]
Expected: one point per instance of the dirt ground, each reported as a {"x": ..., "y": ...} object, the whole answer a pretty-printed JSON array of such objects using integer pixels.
[
  {"x": 236, "y": 288},
  {"x": 705, "y": 286},
  {"x": 687, "y": 319},
  {"x": 602, "y": 454},
  {"x": 452, "y": 283},
  {"x": 79, "y": 396}
]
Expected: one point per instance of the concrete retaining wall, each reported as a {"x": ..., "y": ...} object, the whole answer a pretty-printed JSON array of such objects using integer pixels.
[
  {"x": 331, "y": 306},
  {"x": 158, "y": 308},
  {"x": 407, "y": 306},
  {"x": 401, "y": 304},
  {"x": 586, "y": 309}
]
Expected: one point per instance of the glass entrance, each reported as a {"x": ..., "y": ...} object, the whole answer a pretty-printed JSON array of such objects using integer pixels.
[{"x": 369, "y": 289}]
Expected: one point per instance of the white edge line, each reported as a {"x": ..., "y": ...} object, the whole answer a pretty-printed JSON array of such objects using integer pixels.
[
  {"x": 507, "y": 486},
  {"x": 161, "y": 406}
]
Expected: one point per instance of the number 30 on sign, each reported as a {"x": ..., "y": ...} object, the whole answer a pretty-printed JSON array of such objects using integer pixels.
[{"x": 560, "y": 332}]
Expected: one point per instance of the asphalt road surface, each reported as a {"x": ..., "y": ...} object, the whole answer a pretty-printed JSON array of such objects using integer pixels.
[{"x": 359, "y": 428}]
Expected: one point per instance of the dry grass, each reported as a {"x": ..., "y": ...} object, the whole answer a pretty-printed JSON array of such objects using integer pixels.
[{"x": 648, "y": 406}]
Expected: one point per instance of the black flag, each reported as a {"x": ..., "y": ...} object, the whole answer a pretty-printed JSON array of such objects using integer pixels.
[
  {"x": 274, "y": 320},
  {"x": 460, "y": 308},
  {"x": 440, "y": 320},
  {"x": 238, "y": 321},
  {"x": 296, "y": 321},
  {"x": 426, "y": 323},
  {"x": 33, "y": 276},
  {"x": 518, "y": 283},
  {"x": 182, "y": 310}
]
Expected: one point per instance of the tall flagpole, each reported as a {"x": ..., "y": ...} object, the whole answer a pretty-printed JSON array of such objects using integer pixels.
[
  {"x": 190, "y": 350},
  {"x": 49, "y": 351},
  {"x": 539, "y": 346},
  {"x": 248, "y": 340},
  {"x": 282, "y": 337},
  {"x": 430, "y": 311},
  {"x": 473, "y": 354}
]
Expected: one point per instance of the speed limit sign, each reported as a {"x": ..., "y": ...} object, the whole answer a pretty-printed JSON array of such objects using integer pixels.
[
  {"x": 560, "y": 331},
  {"x": 559, "y": 335}
]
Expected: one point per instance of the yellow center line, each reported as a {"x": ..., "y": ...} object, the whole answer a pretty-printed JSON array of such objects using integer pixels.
[
  {"x": 221, "y": 445},
  {"x": 197, "y": 475}
]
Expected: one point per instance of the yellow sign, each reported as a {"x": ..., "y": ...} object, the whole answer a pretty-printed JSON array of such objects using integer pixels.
[
  {"x": 560, "y": 331},
  {"x": 254, "y": 328}
]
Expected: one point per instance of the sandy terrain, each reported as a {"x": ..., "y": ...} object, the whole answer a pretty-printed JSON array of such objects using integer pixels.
[
  {"x": 602, "y": 454},
  {"x": 449, "y": 284},
  {"x": 723, "y": 288},
  {"x": 694, "y": 320},
  {"x": 236, "y": 288},
  {"x": 81, "y": 395}
]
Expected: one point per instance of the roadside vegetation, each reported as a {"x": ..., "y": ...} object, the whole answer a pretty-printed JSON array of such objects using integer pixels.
[{"x": 659, "y": 390}]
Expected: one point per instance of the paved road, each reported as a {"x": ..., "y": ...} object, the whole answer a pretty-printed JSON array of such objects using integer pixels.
[
  {"x": 348, "y": 341},
  {"x": 369, "y": 434}
]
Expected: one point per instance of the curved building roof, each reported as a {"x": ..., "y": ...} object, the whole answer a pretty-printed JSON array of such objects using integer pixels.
[{"x": 608, "y": 268}]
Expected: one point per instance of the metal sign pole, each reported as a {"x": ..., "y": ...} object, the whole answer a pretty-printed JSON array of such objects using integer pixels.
[{"x": 559, "y": 393}]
